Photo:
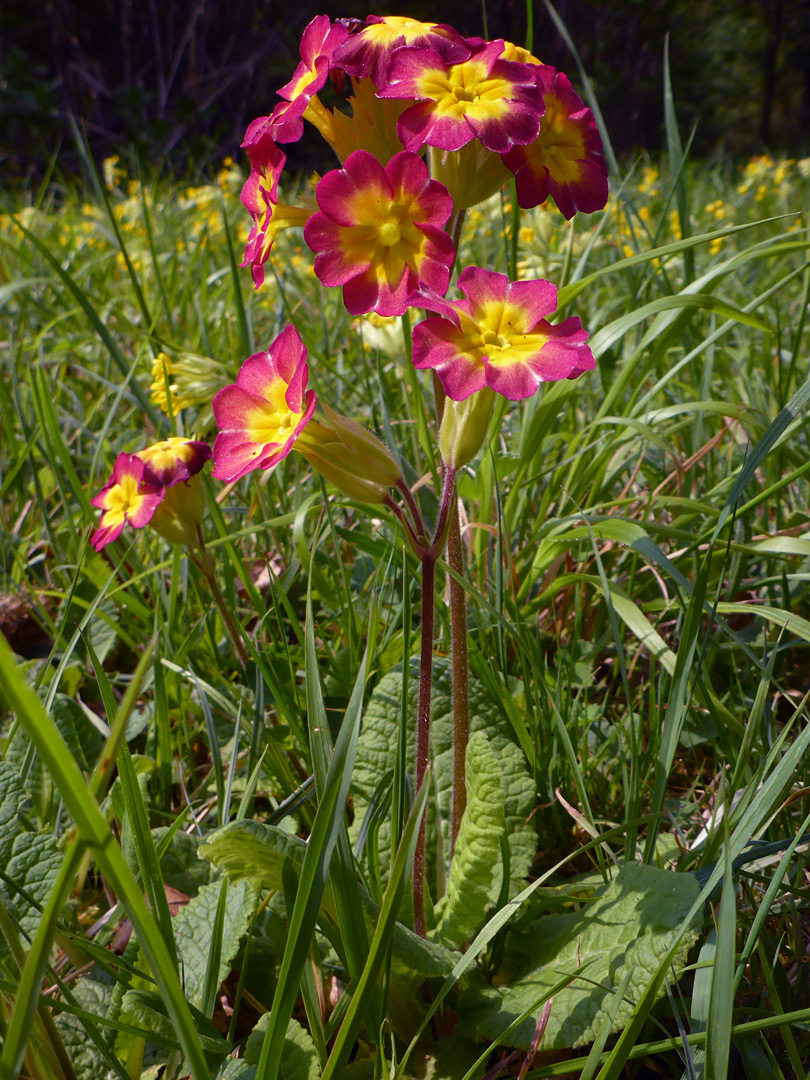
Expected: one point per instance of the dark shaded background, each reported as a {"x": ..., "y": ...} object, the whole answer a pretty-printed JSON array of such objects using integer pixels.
[{"x": 177, "y": 81}]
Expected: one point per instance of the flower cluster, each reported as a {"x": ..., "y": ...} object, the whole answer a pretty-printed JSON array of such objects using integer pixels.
[
  {"x": 436, "y": 124},
  {"x": 159, "y": 486}
]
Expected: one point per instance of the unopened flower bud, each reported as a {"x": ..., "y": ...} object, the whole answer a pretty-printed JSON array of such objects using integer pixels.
[
  {"x": 464, "y": 427},
  {"x": 350, "y": 457}
]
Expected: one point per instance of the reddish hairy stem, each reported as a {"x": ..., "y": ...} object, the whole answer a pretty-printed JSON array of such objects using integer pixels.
[
  {"x": 423, "y": 736},
  {"x": 460, "y": 680}
]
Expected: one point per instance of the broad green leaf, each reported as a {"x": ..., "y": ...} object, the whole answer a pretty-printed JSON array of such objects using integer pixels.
[
  {"x": 180, "y": 866},
  {"x": 252, "y": 851},
  {"x": 29, "y": 860},
  {"x": 299, "y": 1059},
  {"x": 460, "y": 912},
  {"x": 376, "y": 753},
  {"x": 628, "y": 927},
  {"x": 193, "y": 928},
  {"x": 87, "y": 1058},
  {"x": 147, "y": 1009},
  {"x": 235, "y": 1070}
]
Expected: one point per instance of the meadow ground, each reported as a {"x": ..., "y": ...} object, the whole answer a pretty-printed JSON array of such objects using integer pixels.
[{"x": 637, "y": 558}]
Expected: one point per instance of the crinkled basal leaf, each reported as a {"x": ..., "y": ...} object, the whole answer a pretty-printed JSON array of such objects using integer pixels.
[
  {"x": 180, "y": 866},
  {"x": 376, "y": 753},
  {"x": 299, "y": 1059},
  {"x": 235, "y": 1070},
  {"x": 148, "y": 1010},
  {"x": 460, "y": 912},
  {"x": 87, "y": 1059},
  {"x": 83, "y": 740},
  {"x": 194, "y": 928},
  {"x": 630, "y": 925},
  {"x": 252, "y": 851},
  {"x": 29, "y": 860}
]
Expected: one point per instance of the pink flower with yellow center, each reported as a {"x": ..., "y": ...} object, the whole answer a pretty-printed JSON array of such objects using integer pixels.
[
  {"x": 263, "y": 413},
  {"x": 319, "y": 41},
  {"x": 368, "y": 52},
  {"x": 498, "y": 337},
  {"x": 483, "y": 97},
  {"x": 565, "y": 161},
  {"x": 260, "y": 196},
  {"x": 379, "y": 232},
  {"x": 173, "y": 461},
  {"x": 175, "y": 464},
  {"x": 126, "y": 499}
]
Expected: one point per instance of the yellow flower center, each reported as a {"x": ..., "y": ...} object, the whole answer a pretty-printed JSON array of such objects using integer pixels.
[
  {"x": 122, "y": 500},
  {"x": 389, "y": 233},
  {"x": 492, "y": 340}
]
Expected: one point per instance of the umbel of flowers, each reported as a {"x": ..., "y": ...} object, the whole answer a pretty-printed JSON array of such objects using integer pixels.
[{"x": 433, "y": 124}]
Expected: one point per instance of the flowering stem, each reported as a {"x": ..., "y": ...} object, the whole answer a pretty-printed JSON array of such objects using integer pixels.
[
  {"x": 413, "y": 506},
  {"x": 204, "y": 563},
  {"x": 460, "y": 681},
  {"x": 423, "y": 734}
]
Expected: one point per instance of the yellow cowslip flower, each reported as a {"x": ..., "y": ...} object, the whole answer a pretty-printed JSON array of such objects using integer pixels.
[
  {"x": 111, "y": 172},
  {"x": 188, "y": 380}
]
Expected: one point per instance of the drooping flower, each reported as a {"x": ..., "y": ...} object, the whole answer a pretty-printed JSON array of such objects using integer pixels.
[
  {"x": 283, "y": 125},
  {"x": 263, "y": 413},
  {"x": 483, "y": 97},
  {"x": 126, "y": 499},
  {"x": 260, "y": 196},
  {"x": 368, "y": 52},
  {"x": 173, "y": 461},
  {"x": 318, "y": 43},
  {"x": 175, "y": 464},
  {"x": 565, "y": 161},
  {"x": 379, "y": 232},
  {"x": 498, "y": 337}
]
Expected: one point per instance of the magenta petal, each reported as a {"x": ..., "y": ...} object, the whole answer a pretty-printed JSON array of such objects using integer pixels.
[
  {"x": 287, "y": 354},
  {"x": 429, "y": 299},
  {"x": 482, "y": 286},
  {"x": 362, "y": 293},
  {"x": 537, "y": 298}
]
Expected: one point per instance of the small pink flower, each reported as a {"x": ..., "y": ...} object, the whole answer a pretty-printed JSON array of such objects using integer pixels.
[
  {"x": 260, "y": 196},
  {"x": 318, "y": 43},
  {"x": 126, "y": 499},
  {"x": 173, "y": 461},
  {"x": 263, "y": 413},
  {"x": 283, "y": 125},
  {"x": 483, "y": 97},
  {"x": 368, "y": 52},
  {"x": 498, "y": 337},
  {"x": 379, "y": 232},
  {"x": 565, "y": 161}
]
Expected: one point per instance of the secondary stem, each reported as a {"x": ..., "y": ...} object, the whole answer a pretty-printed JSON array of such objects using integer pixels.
[
  {"x": 423, "y": 735},
  {"x": 204, "y": 563},
  {"x": 460, "y": 681}
]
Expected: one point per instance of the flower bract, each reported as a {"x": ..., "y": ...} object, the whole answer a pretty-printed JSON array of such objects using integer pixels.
[
  {"x": 482, "y": 97},
  {"x": 498, "y": 337},
  {"x": 262, "y": 414},
  {"x": 565, "y": 161},
  {"x": 379, "y": 232},
  {"x": 124, "y": 500}
]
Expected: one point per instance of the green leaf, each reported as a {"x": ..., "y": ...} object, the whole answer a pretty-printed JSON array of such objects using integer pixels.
[
  {"x": 29, "y": 861},
  {"x": 252, "y": 851},
  {"x": 147, "y": 1009},
  {"x": 376, "y": 754},
  {"x": 87, "y": 1058},
  {"x": 193, "y": 932},
  {"x": 235, "y": 1070},
  {"x": 460, "y": 912},
  {"x": 628, "y": 927},
  {"x": 299, "y": 1060}
]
